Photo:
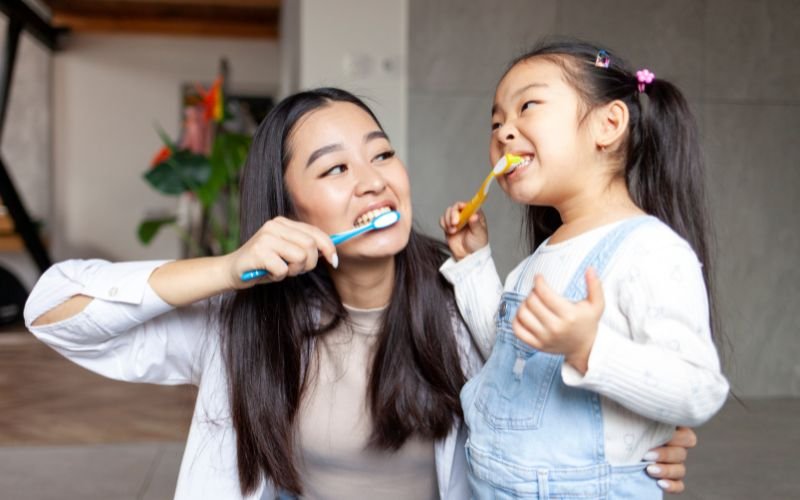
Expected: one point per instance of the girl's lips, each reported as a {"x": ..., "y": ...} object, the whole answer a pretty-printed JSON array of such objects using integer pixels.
[{"x": 515, "y": 172}]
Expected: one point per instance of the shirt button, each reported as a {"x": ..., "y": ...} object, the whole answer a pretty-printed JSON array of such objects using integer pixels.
[{"x": 112, "y": 292}]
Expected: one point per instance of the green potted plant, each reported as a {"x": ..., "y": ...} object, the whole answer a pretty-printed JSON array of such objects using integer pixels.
[{"x": 202, "y": 169}]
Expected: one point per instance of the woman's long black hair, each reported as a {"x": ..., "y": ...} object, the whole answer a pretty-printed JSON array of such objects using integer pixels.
[
  {"x": 663, "y": 164},
  {"x": 416, "y": 375}
]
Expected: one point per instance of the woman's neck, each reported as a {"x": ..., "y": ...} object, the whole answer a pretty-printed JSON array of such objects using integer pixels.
[
  {"x": 595, "y": 207},
  {"x": 365, "y": 285}
]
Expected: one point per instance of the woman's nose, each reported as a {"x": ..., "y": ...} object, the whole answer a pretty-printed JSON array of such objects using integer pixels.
[{"x": 369, "y": 181}]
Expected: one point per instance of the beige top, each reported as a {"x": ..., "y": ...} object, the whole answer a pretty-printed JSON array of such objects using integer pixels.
[{"x": 334, "y": 425}]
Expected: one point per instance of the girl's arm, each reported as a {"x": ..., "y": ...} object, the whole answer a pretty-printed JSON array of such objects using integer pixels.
[
  {"x": 472, "y": 273},
  {"x": 478, "y": 291},
  {"x": 661, "y": 363}
]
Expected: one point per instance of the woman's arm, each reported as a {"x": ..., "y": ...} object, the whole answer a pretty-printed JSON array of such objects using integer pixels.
[
  {"x": 108, "y": 319},
  {"x": 282, "y": 247},
  {"x": 179, "y": 283},
  {"x": 148, "y": 321}
]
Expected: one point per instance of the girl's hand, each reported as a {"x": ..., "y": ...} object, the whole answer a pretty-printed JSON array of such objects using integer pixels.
[
  {"x": 670, "y": 467},
  {"x": 470, "y": 238},
  {"x": 551, "y": 323},
  {"x": 282, "y": 247}
]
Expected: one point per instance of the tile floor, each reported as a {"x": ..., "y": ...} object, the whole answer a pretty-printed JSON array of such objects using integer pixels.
[{"x": 54, "y": 449}]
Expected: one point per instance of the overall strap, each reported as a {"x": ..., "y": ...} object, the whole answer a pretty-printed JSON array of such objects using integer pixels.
[{"x": 601, "y": 254}]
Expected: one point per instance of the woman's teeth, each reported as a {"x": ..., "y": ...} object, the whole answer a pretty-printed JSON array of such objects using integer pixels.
[{"x": 366, "y": 218}]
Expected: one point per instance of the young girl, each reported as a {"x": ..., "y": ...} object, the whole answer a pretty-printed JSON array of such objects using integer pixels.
[{"x": 583, "y": 379}]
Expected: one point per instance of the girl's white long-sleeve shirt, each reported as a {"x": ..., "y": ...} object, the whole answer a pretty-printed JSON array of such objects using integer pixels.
[
  {"x": 129, "y": 333},
  {"x": 653, "y": 360}
]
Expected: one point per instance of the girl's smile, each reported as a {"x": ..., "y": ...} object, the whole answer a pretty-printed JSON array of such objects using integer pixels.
[
  {"x": 536, "y": 115},
  {"x": 519, "y": 171}
]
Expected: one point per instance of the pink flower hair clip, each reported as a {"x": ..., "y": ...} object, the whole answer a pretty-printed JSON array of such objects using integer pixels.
[{"x": 644, "y": 76}]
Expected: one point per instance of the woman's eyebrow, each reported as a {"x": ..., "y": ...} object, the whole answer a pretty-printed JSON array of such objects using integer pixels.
[
  {"x": 330, "y": 148},
  {"x": 377, "y": 134}
]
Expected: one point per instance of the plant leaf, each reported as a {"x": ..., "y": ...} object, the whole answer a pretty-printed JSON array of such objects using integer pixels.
[
  {"x": 148, "y": 228},
  {"x": 228, "y": 155},
  {"x": 166, "y": 139},
  {"x": 183, "y": 171}
]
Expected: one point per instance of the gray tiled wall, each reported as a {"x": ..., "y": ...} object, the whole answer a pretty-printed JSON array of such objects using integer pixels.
[{"x": 738, "y": 62}]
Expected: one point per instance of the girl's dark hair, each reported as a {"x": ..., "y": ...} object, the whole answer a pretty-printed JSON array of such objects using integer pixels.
[
  {"x": 268, "y": 330},
  {"x": 663, "y": 165}
]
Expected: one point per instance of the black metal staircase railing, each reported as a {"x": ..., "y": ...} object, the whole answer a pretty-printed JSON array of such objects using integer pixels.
[{"x": 20, "y": 17}]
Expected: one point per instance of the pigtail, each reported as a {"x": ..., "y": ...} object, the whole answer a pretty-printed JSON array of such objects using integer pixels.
[{"x": 664, "y": 171}]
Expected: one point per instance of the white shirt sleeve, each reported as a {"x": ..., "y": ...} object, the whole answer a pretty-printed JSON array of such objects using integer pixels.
[
  {"x": 478, "y": 292},
  {"x": 663, "y": 365},
  {"x": 127, "y": 332}
]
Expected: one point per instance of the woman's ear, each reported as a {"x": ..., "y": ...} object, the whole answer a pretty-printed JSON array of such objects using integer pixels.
[{"x": 610, "y": 122}]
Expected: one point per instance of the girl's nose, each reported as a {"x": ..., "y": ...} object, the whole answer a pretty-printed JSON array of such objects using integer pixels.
[
  {"x": 506, "y": 133},
  {"x": 370, "y": 181}
]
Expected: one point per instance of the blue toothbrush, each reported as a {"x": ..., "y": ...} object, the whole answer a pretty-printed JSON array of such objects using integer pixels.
[{"x": 379, "y": 222}]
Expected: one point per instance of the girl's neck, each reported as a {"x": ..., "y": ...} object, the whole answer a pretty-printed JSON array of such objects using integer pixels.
[
  {"x": 593, "y": 208},
  {"x": 365, "y": 284}
]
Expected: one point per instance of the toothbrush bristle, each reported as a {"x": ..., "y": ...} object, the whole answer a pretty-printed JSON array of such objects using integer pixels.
[
  {"x": 387, "y": 219},
  {"x": 513, "y": 161}
]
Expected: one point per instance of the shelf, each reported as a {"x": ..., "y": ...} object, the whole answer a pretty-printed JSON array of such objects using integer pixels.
[{"x": 10, "y": 241}]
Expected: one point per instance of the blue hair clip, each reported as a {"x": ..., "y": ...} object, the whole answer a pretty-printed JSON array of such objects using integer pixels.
[{"x": 602, "y": 60}]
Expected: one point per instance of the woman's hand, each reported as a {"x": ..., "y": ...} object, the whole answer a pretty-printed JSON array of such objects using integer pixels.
[
  {"x": 551, "y": 323},
  {"x": 283, "y": 247},
  {"x": 470, "y": 238},
  {"x": 670, "y": 466}
]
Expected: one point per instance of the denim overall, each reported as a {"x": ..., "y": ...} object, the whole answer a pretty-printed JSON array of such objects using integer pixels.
[{"x": 532, "y": 436}]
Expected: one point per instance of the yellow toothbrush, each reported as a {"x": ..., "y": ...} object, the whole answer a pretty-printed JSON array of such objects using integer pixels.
[{"x": 502, "y": 166}]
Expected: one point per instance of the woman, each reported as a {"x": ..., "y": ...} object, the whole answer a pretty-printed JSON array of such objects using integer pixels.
[{"x": 327, "y": 380}]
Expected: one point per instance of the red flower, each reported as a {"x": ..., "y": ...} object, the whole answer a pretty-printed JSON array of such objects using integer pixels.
[
  {"x": 212, "y": 101},
  {"x": 163, "y": 154}
]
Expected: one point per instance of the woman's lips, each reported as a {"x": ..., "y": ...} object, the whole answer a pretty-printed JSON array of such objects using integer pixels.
[{"x": 367, "y": 217}]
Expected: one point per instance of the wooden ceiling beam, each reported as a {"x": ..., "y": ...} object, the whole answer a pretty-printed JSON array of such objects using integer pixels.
[
  {"x": 239, "y": 18},
  {"x": 261, "y": 4},
  {"x": 189, "y": 27}
]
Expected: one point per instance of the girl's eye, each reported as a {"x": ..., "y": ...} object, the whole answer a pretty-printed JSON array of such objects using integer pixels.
[
  {"x": 527, "y": 105},
  {"x": 386, "y": 155},
  {"x": 495, "y": 126},
  {"x": 338, "y": 169}
]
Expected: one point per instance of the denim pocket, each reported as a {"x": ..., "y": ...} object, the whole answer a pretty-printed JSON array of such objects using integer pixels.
[{"x": 513, "y": 388}]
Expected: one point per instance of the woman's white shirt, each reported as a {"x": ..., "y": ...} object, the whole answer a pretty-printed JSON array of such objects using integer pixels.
[{"x": 129, "y": 333}]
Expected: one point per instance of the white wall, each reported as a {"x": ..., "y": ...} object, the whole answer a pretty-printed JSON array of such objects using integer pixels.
[
  {"x": 109, "y": 92},
  {"x": 358, "y": 45}
]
